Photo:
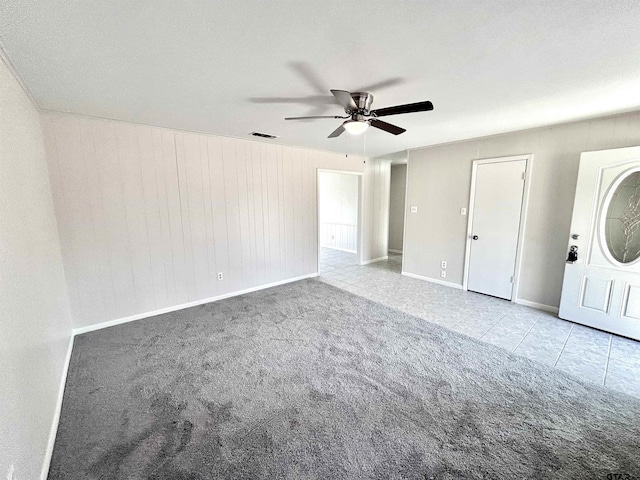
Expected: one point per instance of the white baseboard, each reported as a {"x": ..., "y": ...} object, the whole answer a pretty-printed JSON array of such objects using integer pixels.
[
  {"x": 341, "y": 249},
  {"x": 391, "y": 250},
  {"x": 90, "y": 328},
  {"x": 139, "y": 316},
  {"x": 526, "y": 303},
  {"x": 457, "y": 286},
  {"x": 536, "y": 305},
  {"x": 56, "y": 415},
  {"x": 379, "y": 259}
]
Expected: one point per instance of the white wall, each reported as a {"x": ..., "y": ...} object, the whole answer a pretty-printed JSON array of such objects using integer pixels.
[
  {"x": 338, "y": 197},
  {"x": 35, "y": 324},
  {"x": 439, "y": 180},
  {"x": 147, "y": 216},
  {"x": 398, "y": 190}
]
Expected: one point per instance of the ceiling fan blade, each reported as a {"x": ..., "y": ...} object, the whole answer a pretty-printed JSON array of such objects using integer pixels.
[
  {"x": 337, "y": 132},
  {"x": 408, "y": 108},
  {"x": 383, "y": 84},
  {"x": 316, "y": 116},
  {"x": 306, "y": 72},
  {"x": 308, "y": 100},
  {"x": 345, "y": 99},
  {"x": 387, "y": 127}
]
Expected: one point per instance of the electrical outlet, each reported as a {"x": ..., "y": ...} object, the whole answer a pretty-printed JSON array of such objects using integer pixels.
[
  {"x": 220, "y": 276},
  {"x": 414, "y": 209},
  {"x": 10, "y": 473},
  {"x": 443, "y": 264},
  {"x": 443, "y": 274}
]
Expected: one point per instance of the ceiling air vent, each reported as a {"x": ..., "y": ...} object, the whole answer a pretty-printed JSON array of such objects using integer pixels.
[{"x": 262, "y": 135}]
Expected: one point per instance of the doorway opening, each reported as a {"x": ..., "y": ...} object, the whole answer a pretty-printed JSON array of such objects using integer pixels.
[
  {"x": 339, "y": 220},
  {"x": 495, "y": 230}
]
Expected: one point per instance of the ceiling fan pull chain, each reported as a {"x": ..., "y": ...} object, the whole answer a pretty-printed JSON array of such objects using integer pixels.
[{"x": 364, "y": 144}]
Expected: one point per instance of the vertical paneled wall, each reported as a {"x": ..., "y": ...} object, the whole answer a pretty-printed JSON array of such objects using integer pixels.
[
  {"x": 377, "y": 180},
  {"x": 147, "y": 216},
  {"x": 339, "y": 236}
]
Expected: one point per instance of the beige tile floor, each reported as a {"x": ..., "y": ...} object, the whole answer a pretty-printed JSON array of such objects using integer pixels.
[{"x": 590, "y": 354}]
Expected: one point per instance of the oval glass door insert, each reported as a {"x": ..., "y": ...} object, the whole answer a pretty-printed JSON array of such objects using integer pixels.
[{"x": 622, "y": 220}]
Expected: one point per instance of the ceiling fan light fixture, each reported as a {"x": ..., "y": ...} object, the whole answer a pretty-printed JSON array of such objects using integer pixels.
[
  {"x": 357, "y": 107},
  {"x": 355, "y": 127}
]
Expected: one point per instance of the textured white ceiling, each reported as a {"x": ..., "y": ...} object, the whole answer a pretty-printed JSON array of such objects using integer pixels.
[{"x": 231, "y": 67}]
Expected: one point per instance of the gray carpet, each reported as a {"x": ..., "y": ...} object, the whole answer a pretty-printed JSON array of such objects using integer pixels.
[{"x": 306, "y": 381}]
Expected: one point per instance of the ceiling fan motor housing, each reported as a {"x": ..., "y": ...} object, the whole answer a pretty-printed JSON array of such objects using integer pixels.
[
  {"x": 357, "y": 105},
  {"x": 363, "y": 100}
]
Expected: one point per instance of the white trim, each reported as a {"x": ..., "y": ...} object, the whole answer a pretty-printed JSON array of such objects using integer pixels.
[
  {"x": 536, "y": 305},
  {"x": 467, "y": 245},
  {"x": 90, "y": 328},
  {"x": 341, "y": 249},
  {"x": 406, "y": 205},
  {"x": 374, "y": 260},
  {"x": 139, "y": 316},
  {"x": 528, "y": 175},
  {"x": 360, "y": 232},
  {"x": 457, "y": 286},
  {"x": 528, "y": 158},
  {"x": 346, "y": 172},
  {"x": 46, "y": 463},
  {"x": 393, "y": 250}
]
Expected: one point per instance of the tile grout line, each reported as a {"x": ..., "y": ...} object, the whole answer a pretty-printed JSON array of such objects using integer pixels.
[
  {"x": 563, "y": 345},
  {"x": 525, "y": 335},
  {"x": 352, "y": 278},
  {"x": 606, "y": 365},
  {"x": 491, "y": 327}
]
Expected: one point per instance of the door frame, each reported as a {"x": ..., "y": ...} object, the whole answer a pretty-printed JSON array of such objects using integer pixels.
[
  {"x": 528, "y": 158},
  {"x": 359, "y": 232}
]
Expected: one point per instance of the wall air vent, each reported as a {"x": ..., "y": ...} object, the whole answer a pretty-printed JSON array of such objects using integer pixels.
[{"x": 262, "y": 135}]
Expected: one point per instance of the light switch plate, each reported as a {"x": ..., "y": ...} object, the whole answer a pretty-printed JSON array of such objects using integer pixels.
[
  {"x": 463, "y": 211},
  {"x": 414, "y": 209}
]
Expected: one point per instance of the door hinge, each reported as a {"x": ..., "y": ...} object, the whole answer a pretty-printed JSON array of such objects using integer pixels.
[
  {"x": 511, "y": 279},
  {"x": 524, "y": 175}
]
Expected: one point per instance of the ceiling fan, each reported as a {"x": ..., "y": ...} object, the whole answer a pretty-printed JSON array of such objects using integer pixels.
[{"x": 357, "y": 106}]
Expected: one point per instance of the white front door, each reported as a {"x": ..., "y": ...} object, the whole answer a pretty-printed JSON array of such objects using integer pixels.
[
  {"x": 496, "y": 207},
  {"x": 602, "y": 287}
]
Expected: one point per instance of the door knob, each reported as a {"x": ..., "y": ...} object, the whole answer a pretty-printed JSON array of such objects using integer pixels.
[
  {"x": 573, "y": 254},
  {"x": 475, "y": 237}
]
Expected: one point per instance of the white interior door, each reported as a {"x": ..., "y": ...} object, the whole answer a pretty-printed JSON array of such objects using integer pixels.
[
  {"x": 495, "y": 226},
  {"x": 602, "y": 288}
]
